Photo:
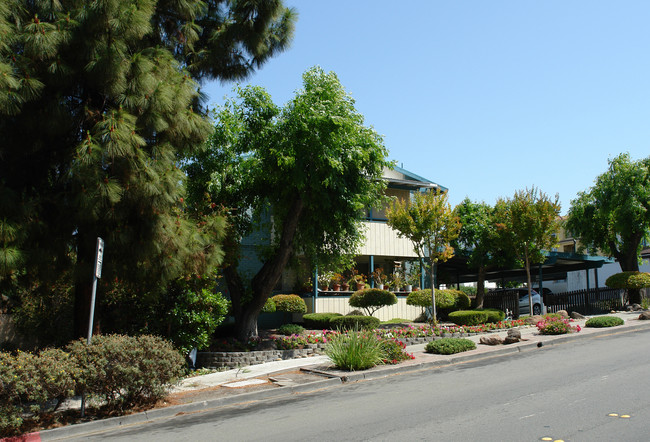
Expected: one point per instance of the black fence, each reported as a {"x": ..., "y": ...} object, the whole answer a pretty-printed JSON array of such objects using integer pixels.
[{"x": 587, "y": 302}]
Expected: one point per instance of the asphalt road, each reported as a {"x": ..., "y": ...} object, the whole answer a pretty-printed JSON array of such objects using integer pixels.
[{"x": 565, "y": 392}]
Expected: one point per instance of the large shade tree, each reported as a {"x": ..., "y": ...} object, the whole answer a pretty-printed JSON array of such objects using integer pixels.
[
  {"x": 308, "y": 169},
  {"x": 99, "y": 101},
  {"x": 527, "y": 225},
  {"x": 429, "y": 222},
  {"x": 613, "y": 216}
]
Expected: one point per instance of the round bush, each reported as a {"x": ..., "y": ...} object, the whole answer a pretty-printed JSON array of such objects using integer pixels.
[
  {"x": 604, "y": 321},
  {"x": 468, "y": 317},
  {"x": 422, "y": 298},
  {"x": 462, "y": 300},
  {"x": 372, "y": 300},
  {"x": 319, "y": 321},
  {"x": 355, "y": 322},
  {"x": 494, "y": 315},
  {"x": 628, "y": 280},
  {"x": 269, "y": 306},
  {"x": 290, "y": 329},
  {"x": 448, "y": 346},
  {"x": 289, "y": 303}
]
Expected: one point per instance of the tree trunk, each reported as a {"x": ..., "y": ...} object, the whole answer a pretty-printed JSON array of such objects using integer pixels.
[
  {"x": 268, "y": 276},
  {"x": 480, "y": 286},
  {"x": 629, "y": 261}
]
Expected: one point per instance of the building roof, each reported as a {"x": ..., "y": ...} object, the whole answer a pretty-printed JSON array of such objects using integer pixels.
[{"x": 402, "y": 178}]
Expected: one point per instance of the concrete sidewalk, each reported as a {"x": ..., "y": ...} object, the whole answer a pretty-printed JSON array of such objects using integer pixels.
[{"x": 280, "y": 379}]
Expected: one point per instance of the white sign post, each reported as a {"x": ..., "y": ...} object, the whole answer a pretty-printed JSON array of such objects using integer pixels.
[{"x": 99, "y": 256}]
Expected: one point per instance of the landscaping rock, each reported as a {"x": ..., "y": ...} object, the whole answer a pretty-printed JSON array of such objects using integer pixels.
[
  {"x": 510, "y": 340},
  {"x": 576, "y": 315},
  {"x": 514, "y": 333},
  {"x": 533, "y": 320},
  {"x": 644, "y": 315},
  {"x": 491, "y": 340},
  {"x": 563, "y": 314}
]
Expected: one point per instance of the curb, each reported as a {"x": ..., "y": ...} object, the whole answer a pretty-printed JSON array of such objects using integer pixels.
[{"x": 88, "y": 428}]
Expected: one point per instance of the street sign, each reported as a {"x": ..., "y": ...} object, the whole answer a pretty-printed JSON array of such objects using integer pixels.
[{"x": 99, "y": 257}]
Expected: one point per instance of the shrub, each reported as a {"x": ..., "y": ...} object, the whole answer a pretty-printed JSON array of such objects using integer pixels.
[
  {"x": 494, "y": 315},
  {"x": 468, "y": 317},
  {"x": 355, "y": 350},
  {"x": 318, "y": 321},
  {"x": 555, "y": 326},
  {"x": 462, "y": 300},
  {"x": 628, "y": 280},
  {"x": 372, "y": 300},
  {"x": 394, "y": 351},
  {"x": 290, "y": 329},
  {"x": 604, "y": 321},
  {"x": 354, "y": 322},
  {"x": 126, "y": 371},
  {"x": 269, "y": 306},
  {"x": 448, "y": 346},
  {"x": 289, "y": 303},
  {"x": 422, "y": 298},
  {"x": 34, "y": 384}
]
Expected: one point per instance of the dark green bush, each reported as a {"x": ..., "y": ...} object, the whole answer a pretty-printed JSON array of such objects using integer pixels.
[
  {"x": 290, "y": 329},
  {"x": 628, "y": 280},
  {"x": 462, "y": 300},
  {"x": 468, "y": 317},
  {"x": 372, "y": 300},
  {"x": 289, "y": 303},
  {"x": 448, "y": 346},
  {"x": 494, "y": 315},
  {"x": 604, "y": 321},
  {"x": 126, "y": 371},
  {"x": 355, "y": 322},
  {"x": 319, "y": 321}
]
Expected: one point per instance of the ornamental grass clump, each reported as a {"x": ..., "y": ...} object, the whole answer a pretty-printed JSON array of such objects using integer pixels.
[
  {"x": 556, "y": 326},
  {"x": 355, "y": 350},
  {"x": 604, "y": 321},
  {"x": 448, "y": 346}
]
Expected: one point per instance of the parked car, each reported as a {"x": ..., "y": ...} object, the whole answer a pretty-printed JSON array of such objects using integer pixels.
[{"x": 524, "y": 307}]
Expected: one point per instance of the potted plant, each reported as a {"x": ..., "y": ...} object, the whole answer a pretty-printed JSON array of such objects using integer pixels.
[
  {"x": 357, "y": 280},
  {"x": 324, "y": 280},
  {"x": 413, "y": 280},
  {"x": 379, "y": 277},
  {"x": 336, "y": 281},
  {"x": 398, "y": 282}
]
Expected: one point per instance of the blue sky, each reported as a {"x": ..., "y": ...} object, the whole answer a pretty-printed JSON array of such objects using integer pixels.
[{"x": 483, "y": 97}]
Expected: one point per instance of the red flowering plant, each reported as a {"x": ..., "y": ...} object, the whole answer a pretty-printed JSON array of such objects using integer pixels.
[
  {"x": 394, "y": 351},
  {"x": 556, "y": 326}
]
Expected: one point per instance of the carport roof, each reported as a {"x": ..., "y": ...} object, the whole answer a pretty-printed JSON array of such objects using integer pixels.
[{"x": 556, "y": 266}]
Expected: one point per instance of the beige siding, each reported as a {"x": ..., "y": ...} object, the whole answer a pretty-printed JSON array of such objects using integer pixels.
[
  {"x": 381, "y": 240},
  {"x": 337, "y": 304}
]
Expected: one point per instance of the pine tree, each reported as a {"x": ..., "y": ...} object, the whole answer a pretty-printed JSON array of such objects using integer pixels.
[{"x": 99, "y": 104}]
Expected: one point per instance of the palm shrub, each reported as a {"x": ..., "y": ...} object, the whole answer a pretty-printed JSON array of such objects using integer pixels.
[
  {"x": 448, "y": 346},
  {"x": 372, "y": 300},
  {"x": 604, "y": 321},
  {"x": 355, "y": 350}
]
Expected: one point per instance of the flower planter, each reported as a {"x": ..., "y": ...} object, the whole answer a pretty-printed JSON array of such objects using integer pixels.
[
  {"x": 361, "y": 286},
  {"x": 345, "y": 287},
  {"x": 336, "y": 287}
]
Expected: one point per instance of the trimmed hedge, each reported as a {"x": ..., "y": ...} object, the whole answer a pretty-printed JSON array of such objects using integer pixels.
[
  {"x": 604, "y": 321},
  {"x": 448, "y": 346},
  {"x": 290, "y": 329},
  {"x": 269, "y": 306},
  {"x": 469, "y": 317},
  {"x": 319, "y": 321},
  {"x": 289, "y": 304},
  {"x": 355, "y": 322},
  {"x": 494, "y": 315},
  {"x": 372, "y": 300}
]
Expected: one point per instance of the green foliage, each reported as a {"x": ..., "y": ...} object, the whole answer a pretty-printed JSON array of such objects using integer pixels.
[
  {"x": 372, "y": 300},
  {"x": 355, "y": 350},
  {"x": 126, "y": 371},
  {"x": 99, "y": 104},
  {"x": 462, "y": 301},
  {"x": 604, "y": 321},
  {"x": 289, "y": 303},
  {"x": 628, "y": 280},
  {"x": 290, "y": 329},
  {"x": 195, "y": 316},
  {"x": 448, "y": 346},
  {"x": 354, "y": 322},
  {"x": 32, "y": 383},
  {"x": 269, "y": 306},
  {"x": 394, "y": 351},
  {"x": 494, "y": 315},
  {"x": 291, "y": 165},
  {"x": 429, "y": 223},
  {"x": 447, "y": 300},
  {"x": 468, "y": 317},
  {"x": 318, "y": 321},
  {"x": 613, "y": 216}
]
